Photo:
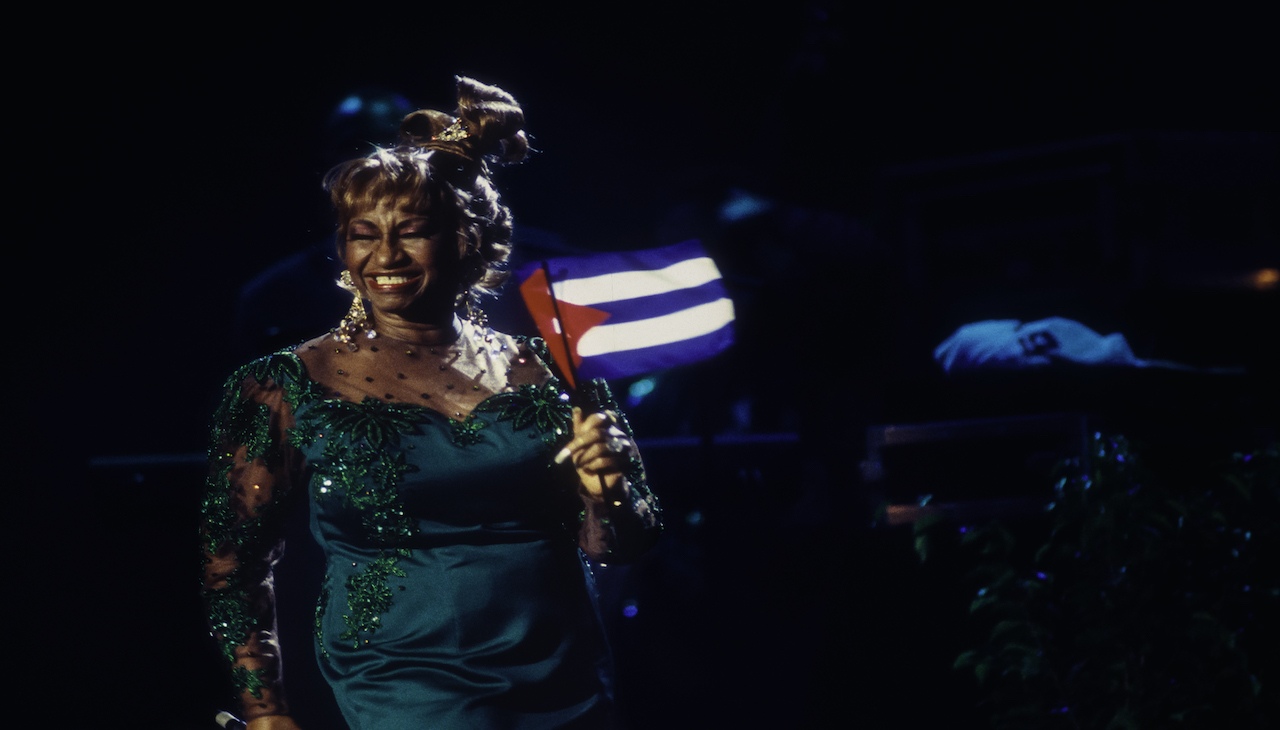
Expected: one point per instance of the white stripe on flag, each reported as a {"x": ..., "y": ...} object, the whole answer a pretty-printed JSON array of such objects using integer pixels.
[
  {"x": 675, "y": 327},
  {"x": 632, "y": 284}
]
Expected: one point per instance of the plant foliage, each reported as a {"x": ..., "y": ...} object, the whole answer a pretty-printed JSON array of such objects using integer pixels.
[{"x": 1151, "y": 604}]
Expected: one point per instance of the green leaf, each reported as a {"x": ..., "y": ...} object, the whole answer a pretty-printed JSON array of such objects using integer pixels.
[
  {"x": 881, "y": 513},
  {"x": 1008, "y": 628},
  {"x": 966, "y": 659},
  {"x": 922, "y": 547},
  {"x": 1042, "y": 552},
  {"x": 983, "y": 602},
  {"x": 1019, "y": 649}
]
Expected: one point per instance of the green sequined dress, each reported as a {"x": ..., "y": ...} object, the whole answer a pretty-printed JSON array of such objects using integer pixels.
[{"x": 456, "y": 595}]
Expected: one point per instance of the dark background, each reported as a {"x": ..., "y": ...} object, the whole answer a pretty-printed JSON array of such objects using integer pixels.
[{"x": 928, "y": 164}]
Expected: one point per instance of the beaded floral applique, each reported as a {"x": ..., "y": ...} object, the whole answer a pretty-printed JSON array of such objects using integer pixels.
[
  {"x": 544, "y": 406},
  {"x": 241, "y": 421},
  {"x": 466, "y": 432},
  {"x": 541, "y": 406},
  {"x": 359, "y": 466},
  {"x": 369, "y": 595},
  {"x": 374, "y": 421},
  {"x": 252, "y": 680}
]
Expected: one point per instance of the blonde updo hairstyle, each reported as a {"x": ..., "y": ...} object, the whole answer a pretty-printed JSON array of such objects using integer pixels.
[{"x": 443, "y": 162}]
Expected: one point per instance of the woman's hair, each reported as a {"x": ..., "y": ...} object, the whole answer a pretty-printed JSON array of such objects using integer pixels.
[{"x": 443, "y": 163}]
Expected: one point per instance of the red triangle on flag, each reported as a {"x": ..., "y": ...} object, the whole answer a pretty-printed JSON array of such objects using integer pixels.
[{"x": 576, "y": 320}]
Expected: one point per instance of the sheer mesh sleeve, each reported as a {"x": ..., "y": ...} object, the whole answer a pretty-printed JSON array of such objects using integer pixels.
[
  {"x": 251, "y": 466},
  {"x": 627, "y": 521}
]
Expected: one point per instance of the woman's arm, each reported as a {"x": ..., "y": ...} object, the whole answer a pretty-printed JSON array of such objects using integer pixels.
[
  {"x": 621, "y": 518},
  {"x": 251, "y": 467}
]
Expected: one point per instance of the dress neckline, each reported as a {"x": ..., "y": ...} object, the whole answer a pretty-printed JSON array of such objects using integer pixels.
[{"x": 347, "y": 384}]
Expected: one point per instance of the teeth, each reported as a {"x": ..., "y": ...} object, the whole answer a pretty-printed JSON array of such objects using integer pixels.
[{"x": 392, "y": 280}]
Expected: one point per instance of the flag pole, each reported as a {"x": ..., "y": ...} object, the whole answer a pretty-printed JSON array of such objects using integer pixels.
[{"x": 578, "y": 394}]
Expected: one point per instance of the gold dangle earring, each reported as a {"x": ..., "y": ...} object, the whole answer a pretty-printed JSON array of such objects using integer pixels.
[
  {"x": 467, "y": 303},
  {"x": 468, "y": 306},
  {"x": 356, "y": 321}
]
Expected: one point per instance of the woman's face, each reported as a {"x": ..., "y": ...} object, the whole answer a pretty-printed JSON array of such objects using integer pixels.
[{"x": 404, "y": 261}]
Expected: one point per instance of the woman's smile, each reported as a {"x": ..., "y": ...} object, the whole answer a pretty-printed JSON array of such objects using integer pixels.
[{"x": 392, "y": 282}]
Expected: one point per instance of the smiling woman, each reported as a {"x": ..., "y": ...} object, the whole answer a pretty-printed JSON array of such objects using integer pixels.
[
  {"x": 453, "y": 486},
  {"x": 437, "y": 182}
]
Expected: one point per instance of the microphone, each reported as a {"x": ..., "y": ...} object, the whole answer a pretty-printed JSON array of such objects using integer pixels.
[{"x": 229, "y": 721}]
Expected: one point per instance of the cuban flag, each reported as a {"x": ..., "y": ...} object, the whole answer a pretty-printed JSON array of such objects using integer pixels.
[{"x": 618, "y": 314}]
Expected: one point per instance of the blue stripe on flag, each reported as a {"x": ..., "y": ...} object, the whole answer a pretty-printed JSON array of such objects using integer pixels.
[{"x": 633, "y": 362}]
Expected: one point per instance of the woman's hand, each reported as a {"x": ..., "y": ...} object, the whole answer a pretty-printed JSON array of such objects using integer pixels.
[{"x": 599, "y": 450}]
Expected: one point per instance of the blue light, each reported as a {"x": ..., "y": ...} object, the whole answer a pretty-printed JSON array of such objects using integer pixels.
[
  {"x": 350, "y": 105},
  {"x": 629, "y": 610},
  {"x": 639, "y": 389},
  {"x": 742, "y": 204}
]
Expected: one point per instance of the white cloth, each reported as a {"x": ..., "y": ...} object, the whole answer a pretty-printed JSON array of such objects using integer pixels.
[{"x": 1013, "y": 345}]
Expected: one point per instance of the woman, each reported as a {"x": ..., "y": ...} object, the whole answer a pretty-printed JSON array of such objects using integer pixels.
[{"x": 451, "y": 482}]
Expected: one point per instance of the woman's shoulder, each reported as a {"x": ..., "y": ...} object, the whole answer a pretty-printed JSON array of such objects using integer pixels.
[
  {"x": 527, "y": 358},
  {"x": 529, "y": 346},
  {"x": 488, "y": 338},
  {"x": 314, "y": 343},
  {"x": 282, "y": 368}
]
